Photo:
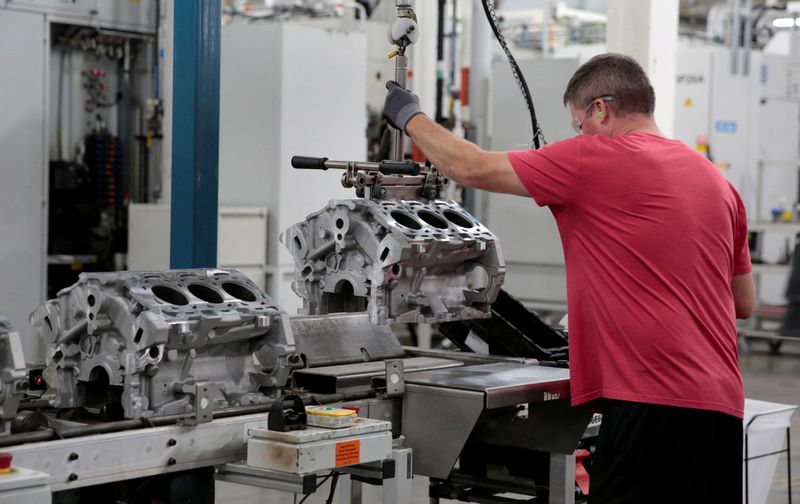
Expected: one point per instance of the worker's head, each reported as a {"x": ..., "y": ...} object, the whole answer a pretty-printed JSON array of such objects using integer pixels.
[{"x": 605, "y": 89}]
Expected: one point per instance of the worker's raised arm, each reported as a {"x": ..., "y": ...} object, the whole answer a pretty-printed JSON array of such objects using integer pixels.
[{"x": 458, "y": 159}]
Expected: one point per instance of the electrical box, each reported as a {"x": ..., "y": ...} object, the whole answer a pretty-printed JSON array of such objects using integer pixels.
[{"x": 130, "y": 15}]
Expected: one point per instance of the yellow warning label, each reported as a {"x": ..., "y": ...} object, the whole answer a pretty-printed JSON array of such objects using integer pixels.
[{"x": 348, "y": 453}]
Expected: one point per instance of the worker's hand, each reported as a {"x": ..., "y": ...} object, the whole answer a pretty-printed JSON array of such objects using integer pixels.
[{"x": 400, "y": 106}]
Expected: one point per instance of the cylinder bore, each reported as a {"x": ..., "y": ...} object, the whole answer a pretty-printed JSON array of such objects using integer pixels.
[
  {"x": 239, "y": 291},
  {"x": 432, "y": 219},
  {"x": 405, "y": 220},
  {"x": 205, "y": 293},
  {"x": 458, "y": 219},
  {"x": 170, "y": 295}
]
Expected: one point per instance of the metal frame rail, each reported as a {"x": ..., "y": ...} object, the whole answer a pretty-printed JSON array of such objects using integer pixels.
[{"x": 748, "y": 458}]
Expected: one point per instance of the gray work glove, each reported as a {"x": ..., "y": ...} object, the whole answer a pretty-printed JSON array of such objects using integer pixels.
[{"x": 400, "y": 106}]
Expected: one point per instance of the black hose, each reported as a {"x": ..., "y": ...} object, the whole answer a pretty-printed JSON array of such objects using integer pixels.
[{"x": 488, "y": 9}]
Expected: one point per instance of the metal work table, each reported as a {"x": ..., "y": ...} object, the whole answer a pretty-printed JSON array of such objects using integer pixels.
[
  {"x": 444, "y": 410},
  {"x": 503, "y": 383}
]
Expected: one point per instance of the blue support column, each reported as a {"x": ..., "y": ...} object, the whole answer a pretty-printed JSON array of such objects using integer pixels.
[{"x": 195, "y": 134}]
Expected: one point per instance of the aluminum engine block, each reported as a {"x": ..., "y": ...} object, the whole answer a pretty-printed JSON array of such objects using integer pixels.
[
  {"x": 401, "y": 261},
  {"x": 164, "y": 342},
  {"x": 13, "y": 374}
]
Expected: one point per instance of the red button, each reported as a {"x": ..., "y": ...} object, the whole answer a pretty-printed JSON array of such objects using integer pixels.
[{"x": 5, "y": 461}]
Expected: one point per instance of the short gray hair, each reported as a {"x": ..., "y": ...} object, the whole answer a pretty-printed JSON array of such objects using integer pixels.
[{"x": 614, "y": 75}]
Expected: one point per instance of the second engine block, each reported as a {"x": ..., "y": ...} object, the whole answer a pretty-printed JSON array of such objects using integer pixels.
[
  {"x": 402, "y": 261},
  {"x": 162, "y": 343}
]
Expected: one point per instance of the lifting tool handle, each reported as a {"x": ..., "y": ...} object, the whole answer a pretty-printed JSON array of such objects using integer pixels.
[
  {"x": 309, "y": 163},
  {"x": 398, "y": 168}
]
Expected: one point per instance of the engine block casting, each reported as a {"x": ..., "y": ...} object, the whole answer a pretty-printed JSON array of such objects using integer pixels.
[
  {"x": 164, "y": 342},
  {"x": 401, "y": 261}
]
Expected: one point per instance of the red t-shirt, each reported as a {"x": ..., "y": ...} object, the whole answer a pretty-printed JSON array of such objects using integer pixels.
[{"x": 653, "y": 234}]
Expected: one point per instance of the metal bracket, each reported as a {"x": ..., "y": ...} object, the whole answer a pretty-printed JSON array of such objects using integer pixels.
[
  {"x": 203, "y": 403},
  {"x": 395, "y": 378}
]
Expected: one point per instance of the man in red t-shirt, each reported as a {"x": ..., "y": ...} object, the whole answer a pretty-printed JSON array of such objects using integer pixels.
[{"x": 658, "y": 269}]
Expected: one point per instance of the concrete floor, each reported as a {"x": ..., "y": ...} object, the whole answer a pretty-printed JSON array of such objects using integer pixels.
[{"x": 767, "y": 377}]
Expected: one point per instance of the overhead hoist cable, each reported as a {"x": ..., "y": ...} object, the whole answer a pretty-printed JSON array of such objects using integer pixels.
[{"x": 491, "y": 16}]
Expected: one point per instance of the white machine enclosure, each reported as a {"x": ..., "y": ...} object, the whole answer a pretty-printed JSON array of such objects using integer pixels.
[
  {"x": 529, "y": 235},
  {"x": 273, "y": 106},
  {"x": 13, "y": 378},
  {"x": 401, "y": 261},
  {"x": 162, "y": 343}
]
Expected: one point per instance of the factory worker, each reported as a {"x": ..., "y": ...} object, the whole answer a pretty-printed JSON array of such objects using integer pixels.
[{"x": 658, "y": 270}]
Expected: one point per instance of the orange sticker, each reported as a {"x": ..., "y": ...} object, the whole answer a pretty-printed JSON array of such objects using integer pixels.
[{"x": 348, "y": 453}]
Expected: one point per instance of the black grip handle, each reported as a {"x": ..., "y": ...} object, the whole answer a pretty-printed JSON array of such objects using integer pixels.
[
  {"x": 398, "y": 168},
  {"x": 287, "y": 413},
  {"x": 309, "y": 163}
]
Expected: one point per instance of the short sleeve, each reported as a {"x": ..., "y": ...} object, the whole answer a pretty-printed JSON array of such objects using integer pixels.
[
  {"x": 550, "y": 174},
  {"x": 741, "y": 248}
]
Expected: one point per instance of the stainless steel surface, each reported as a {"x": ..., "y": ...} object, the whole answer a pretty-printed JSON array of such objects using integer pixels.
[
  {"x": 436, "y": 423},
  {"x": 401, "y": 261},
  {"x": 14, "y": 375},
  {"x": 329, "y": 379},
  {"x": 150, "y": 337},
  {"x": 504, "y": 384},
  {"x": 342, "y": 339}
]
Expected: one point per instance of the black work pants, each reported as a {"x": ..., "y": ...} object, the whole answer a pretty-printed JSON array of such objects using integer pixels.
[{"x": 651, "y": 454}]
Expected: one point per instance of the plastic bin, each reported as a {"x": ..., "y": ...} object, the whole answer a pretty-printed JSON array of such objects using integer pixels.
[{"x": 766, "y": 436}]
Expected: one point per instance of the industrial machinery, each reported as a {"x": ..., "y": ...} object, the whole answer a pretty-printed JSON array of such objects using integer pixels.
[
  {"x": 165, "y": 374},
  {"x": 164, "y": 343}
]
